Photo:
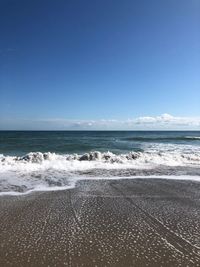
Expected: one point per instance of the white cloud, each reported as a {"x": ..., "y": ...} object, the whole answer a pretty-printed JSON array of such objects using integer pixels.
[
  {"x": 162, "y": 122},
  {"x": 169, "y": 120}
]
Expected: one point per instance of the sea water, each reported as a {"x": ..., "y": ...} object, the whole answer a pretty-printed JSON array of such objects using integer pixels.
[{"x": 54, "y": 160}]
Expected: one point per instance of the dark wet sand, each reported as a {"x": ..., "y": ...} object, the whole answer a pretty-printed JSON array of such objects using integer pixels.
[{"x": 141, "y": 222}]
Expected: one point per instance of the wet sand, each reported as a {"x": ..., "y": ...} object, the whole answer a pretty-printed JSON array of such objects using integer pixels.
[{"x": 138, "y": 222}]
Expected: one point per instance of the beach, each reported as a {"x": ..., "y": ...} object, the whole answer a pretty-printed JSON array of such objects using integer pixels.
[
  {"x": 127, "y": 222},
  {"x": 99, "y": 133}
]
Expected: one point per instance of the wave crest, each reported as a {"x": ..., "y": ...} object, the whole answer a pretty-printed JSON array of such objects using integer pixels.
[
  {"x": 46, "y": 171},
  {"x": 160, "y": 138},
  {"x": 165, "y": 158}
]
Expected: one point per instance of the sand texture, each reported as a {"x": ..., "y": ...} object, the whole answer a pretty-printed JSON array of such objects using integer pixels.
[{"x": 133, "y": 222}]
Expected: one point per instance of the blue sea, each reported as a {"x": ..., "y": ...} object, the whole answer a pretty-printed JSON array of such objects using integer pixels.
[{"x": 54, "y": 160}]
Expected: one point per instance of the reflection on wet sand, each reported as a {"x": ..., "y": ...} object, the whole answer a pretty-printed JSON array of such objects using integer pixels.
[{"x": 139, "y": 222}]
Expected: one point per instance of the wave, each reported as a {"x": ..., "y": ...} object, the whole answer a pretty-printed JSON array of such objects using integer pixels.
[
  {"x": 178, "y": 138},
  {"x": 72, "y": 162},
  {"x": 38, "y": 171},
  {"x": 193, "y": 137}
]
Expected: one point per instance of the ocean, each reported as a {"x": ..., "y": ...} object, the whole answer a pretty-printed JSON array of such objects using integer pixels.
[{"x": 55, "y": 160}]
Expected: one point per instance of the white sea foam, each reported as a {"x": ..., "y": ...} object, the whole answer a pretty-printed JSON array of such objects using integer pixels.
[
  {"x": 42, "y": 188},
  {"x": 40, "y": 161},
  {"x": 38, "y": 188},
  {"x": 49, "y": 171}
]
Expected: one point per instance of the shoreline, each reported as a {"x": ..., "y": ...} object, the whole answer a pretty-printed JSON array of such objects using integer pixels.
[
  {"x": 43, "y": 189},
  {"x": 107, "y": 222}
]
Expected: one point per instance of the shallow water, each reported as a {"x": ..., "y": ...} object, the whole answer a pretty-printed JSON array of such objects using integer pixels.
[{"x": 34, "y": 160}]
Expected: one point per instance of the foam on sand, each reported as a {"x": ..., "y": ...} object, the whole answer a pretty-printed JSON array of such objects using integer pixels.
[{"x": 38, "y": 171}]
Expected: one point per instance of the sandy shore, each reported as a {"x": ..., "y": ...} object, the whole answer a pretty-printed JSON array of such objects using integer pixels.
[{"x": 139, "y": 222}]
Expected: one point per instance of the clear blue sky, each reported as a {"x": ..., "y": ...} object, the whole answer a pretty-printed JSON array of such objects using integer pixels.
[{"x": 83, "y": 60}]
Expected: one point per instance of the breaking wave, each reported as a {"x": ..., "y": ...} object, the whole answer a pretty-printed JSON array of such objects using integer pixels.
[
  {"x": 37, "y": 171},
  {"x": 169, "y": 158}
]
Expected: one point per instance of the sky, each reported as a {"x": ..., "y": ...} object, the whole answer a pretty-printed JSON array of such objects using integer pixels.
[{"x": 106, "y": 64}]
